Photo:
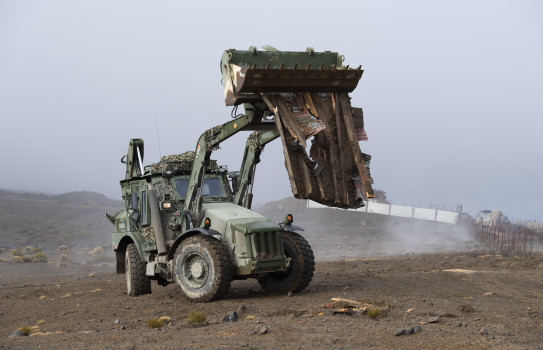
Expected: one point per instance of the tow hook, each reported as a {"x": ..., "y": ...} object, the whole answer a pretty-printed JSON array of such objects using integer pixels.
[{"x": 287, "y": 265}]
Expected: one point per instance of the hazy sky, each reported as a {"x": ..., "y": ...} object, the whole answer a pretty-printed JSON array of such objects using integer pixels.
[{"x": 452, "y": 91}]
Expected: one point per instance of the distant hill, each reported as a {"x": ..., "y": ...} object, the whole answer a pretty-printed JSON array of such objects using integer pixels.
[
  {"x": 75, "y": 219},
  {"x": 69, "y": 197}
]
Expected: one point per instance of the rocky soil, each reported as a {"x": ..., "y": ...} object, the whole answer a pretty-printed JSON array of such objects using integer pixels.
[
  {"x": 379, "y": 282},
  {"x": 451, "y": 301}
]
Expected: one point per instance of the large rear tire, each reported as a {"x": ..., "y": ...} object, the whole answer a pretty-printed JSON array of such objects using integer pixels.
[
  {"x": 137, "y": 283},
  {"x": 202, "y": 269},
  {"x": 300, "y": 272}
]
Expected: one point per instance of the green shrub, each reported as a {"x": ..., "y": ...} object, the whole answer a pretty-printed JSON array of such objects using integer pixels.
[
  {"x": 31, "y": 250},
  {"x": 16, "y": 252},
  {"x": 39, "y": 257},
  {"x": 27, "y": 259}
]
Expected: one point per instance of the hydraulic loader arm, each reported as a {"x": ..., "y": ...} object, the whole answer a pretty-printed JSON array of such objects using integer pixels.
[
  {"x": 133, "y": 159},
  {"x": 209, "y": 140},
  {"x": 255, "y": 145}
]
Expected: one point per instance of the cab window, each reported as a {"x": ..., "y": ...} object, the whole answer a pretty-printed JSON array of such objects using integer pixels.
[
  {"x": 181, "y": 185},
  {"x": 212, "y": 187}
]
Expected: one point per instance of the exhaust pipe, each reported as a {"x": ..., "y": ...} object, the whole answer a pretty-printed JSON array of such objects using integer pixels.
[
  {"x": 156, "y": 222},
  {"x": 155, "y": 215}
]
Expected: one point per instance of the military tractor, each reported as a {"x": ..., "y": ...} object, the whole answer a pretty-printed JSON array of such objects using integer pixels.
[{"x": 189, "y": 221}]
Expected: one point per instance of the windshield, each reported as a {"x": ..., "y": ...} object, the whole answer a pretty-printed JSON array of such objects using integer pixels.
[
  {"x": 181, "y": 186},
  {"x": 212, "y": 187}
]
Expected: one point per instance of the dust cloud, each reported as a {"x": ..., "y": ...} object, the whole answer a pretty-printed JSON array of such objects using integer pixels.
[
  {"x": 423, "y": 237},
  {"x": 343, "y": 234}
]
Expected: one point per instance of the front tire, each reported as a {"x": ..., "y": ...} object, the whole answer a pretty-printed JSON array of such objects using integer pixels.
[
  {"x": 202, "y": 269},
  {"x": 137, "y": 283},
  {"x": 300, "y": 271}
]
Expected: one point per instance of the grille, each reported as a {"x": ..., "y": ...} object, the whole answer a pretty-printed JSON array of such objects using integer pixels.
[{"x": 267, "y": 245}]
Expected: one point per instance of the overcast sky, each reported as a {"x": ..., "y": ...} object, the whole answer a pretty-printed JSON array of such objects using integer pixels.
[{"x": 452, "y": 91}]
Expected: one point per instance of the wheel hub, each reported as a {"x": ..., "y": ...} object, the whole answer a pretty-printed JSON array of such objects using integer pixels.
[
  {"x": 194, "y": 270},
  {"x": 197, "y": 270}
]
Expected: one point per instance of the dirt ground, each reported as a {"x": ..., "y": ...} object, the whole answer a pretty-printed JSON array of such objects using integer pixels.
[
  {"x": 403, "y": 273},
  {"x": 467, "y": 301}
]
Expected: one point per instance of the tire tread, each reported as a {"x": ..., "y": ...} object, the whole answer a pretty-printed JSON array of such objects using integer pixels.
[{"x": 140, "y": 281}]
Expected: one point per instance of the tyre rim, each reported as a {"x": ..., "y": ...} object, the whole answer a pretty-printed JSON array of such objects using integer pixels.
[
  {"x": 127, "y": 271},
  {"x": 195, "y": 270}
]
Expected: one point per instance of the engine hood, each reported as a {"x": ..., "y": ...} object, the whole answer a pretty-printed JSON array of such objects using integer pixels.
[{"x": 223, "y": 215}]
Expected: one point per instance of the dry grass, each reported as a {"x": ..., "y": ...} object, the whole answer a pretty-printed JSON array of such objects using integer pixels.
[
  {"x": 63, "y": 248},
  {"x": 26, "y": 330},
  {"x": 373, "y": 313},
  {"x": 158, "y": 322},
  {"x": 165, "y": 319},
  {"x": 39, "y": 257},
  {"x": 154, "y": 323},
  {"x": 17, "y": 259},
  {"x": 31, "y": 250},
  {"x": 196, "y": 317},
  {"x": 40, "y": 333},
  {"x": 97, "y": 251}
]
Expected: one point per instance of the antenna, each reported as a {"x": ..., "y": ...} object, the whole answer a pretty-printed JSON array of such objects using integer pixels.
[{"x": 157, "y": 134}]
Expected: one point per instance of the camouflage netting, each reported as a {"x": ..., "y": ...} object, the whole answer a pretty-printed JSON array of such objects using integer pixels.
[
  {"x": 162, "y": 188},
  {"x": 178, "y": 164},
  {"x": 148, "y": 233}
]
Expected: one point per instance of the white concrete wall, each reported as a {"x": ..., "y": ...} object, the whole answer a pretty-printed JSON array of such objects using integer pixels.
[{"x": 448, "y": 217}]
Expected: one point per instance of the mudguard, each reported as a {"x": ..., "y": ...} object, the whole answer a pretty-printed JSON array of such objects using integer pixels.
[
  {"x": 189, "y": 233},
  {"x": 291, "y": 228}
]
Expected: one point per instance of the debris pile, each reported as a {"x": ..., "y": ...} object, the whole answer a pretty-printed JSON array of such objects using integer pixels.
[
  {"x": 336, "y": 172},
  {"x": 307, "y": 92}
]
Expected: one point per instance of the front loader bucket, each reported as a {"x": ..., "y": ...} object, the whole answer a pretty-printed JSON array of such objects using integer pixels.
[{"x": 247, "y": 74}]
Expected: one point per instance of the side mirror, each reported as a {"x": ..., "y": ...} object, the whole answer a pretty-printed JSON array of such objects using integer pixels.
[{"x": 234, "y": 178}]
